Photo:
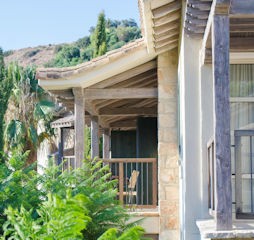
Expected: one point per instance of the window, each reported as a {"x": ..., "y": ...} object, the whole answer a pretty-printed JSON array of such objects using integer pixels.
[
  {"x": 211, "y": 176},
  {"x": 244, "y": 152},
  {"x": 242, "y": 128}
]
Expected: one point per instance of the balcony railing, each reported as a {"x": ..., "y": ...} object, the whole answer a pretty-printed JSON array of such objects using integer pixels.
[{"x": 137, "y": 180}]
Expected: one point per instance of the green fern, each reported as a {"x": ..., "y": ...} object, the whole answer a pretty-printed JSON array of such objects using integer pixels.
[{"x": 59, "y": 219}]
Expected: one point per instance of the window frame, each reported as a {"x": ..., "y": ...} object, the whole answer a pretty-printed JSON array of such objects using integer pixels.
[
  {"x": 211, "y": 176},
  {"x": 238, "y": 172},
  {"x": 240, "y": 58}
]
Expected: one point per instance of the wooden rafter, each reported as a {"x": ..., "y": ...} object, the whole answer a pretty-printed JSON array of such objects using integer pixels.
[
  {"x": 126, "y": 75},
  {"x": 120, "y": 93},
  {"x": 128, "y": 111}
]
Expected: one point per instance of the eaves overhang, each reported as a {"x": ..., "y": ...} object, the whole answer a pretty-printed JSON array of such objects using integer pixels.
[{"x": 96, "y": 70}]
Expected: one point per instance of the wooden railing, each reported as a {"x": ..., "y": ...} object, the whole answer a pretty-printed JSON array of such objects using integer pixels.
[{"x": 137, "y": 180}]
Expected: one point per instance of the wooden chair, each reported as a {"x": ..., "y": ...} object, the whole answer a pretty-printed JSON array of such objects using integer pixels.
[{"x": 131, "y": 192}]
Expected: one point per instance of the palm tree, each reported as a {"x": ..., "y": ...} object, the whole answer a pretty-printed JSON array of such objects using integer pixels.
[{"x": 31, "y": 106}]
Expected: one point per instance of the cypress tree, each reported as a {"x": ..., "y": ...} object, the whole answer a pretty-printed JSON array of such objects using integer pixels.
[
  {"x": 6, "y": 85},
  {"x": 99, "y": 38}
]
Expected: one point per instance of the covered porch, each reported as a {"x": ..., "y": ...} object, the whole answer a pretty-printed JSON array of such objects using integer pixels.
[
  {"x": 122, "y": 112},
  {"x": 129, "y": 99}
]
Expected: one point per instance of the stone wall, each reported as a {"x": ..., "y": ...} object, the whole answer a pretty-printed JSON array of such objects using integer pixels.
[{"x": 168, "y": 170}]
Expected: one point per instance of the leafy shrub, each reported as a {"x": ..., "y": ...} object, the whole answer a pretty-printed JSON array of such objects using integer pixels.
[
  {"x": 42, "y": 206},
  {"x": 58, "y": 219},
  {"x": 18, "y": 184}
]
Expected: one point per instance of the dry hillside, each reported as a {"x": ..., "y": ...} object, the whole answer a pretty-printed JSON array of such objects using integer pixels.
[{"x": 32, "y": 56}]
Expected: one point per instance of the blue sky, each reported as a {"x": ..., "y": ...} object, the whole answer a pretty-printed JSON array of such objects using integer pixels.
[{"x": 28, "y": 23}]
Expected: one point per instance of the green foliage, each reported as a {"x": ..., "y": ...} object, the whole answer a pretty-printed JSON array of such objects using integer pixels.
[
  {"x": 105, "y": 210},
  {"x": 87, "y": 142},
  {"x": 6, "y": 85},
  {"x": 32, "y": 107},
  {"x": 83, "y": 42},
  {"x": 98, "y": 38},
  {"x": 60, "y": 205},
  {"x": 108, "y": 35},
  {"x": 134, "y": 233},
  {"x": 93, "y": 181},
  {"x": 59, "y": 218},
  {"x": 68, "y": 55},
  {"x": 18, "y": 184}
]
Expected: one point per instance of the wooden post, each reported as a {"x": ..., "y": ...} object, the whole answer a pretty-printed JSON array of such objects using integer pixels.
[
  {"x": 106, "y": 143},
  {"x": 121, "y": 181},
  {"x": 60, "y": 147},
  {"x": 155, "y": 169},
  {"x": 220, "y": 46},
  {"x": 94, "y": 137},
  {"x": 79, "y": 123}
]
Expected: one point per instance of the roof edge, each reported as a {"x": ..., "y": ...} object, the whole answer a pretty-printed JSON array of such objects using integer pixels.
[{"x": 68, "y": 72}]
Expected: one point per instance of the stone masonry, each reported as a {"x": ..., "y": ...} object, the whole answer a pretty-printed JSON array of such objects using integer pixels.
[{"x": 168, "y": 170}]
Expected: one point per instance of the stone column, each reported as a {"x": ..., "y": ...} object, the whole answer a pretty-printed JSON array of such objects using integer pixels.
[
  {"x": 94, "y": 137},
  {"x": 79, "y": 123},
  {"x": 106, "y": 143},
  {"x": 168, "y": 189}
]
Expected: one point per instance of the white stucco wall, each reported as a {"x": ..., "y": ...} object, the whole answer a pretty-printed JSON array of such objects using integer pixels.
[
  {"x": 206, "y": 87},
  {"x": 190, "y": 138}
]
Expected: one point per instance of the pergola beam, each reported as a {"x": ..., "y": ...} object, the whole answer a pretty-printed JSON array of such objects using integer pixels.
[
  {"x": 120, "y": 93},
  {"x": 127, "y": 75},
  {"x": 240, "y": 8},
  {"x": 126, "y": 111},
  {"x": 124, "y": 123}
]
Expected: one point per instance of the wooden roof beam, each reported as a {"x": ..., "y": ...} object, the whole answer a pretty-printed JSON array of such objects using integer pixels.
[
  {"x": 128, "y": 111},
  {"x": 165, "y": 28},
  {"x": 239, "y": 44},
  {"x": 126, "y": 75},
  {"x": 166, "y": 9},
  {"x": 124, "y": 124},
  {"x": 196, "y": 21},
  {"x": 167, "y": 19},
  {"x": 120, "y": 93},
  {"x": 165, "y": 42},
  {"x": 240, "y": 8},
  {"x": 138, "y": 79},
  {"x": 165, "y": 35},
  {"x": 203, "y": 6},
  {"x": 167, "y": 47},
  {"x": 241, "y": 28},
  {"x": 63, "y": 94}
]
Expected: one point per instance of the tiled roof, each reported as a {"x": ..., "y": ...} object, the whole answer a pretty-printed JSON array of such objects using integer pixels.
[{"x": 60, "y": 73}]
